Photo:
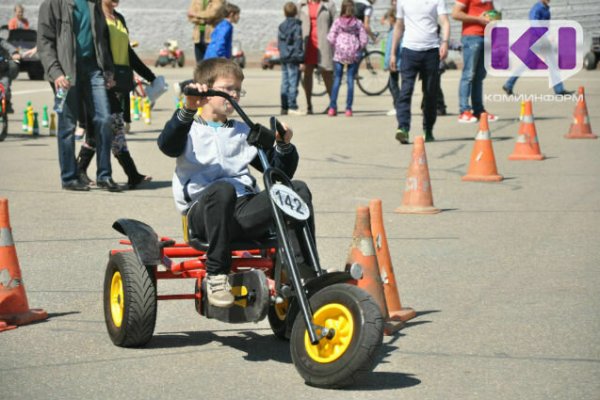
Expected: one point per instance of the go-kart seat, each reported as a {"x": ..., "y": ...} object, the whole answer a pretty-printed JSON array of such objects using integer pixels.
[{"x": 269, "y": 241}]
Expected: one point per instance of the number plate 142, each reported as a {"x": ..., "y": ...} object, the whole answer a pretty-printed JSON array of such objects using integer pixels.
[{"x": 289, "y": 202}]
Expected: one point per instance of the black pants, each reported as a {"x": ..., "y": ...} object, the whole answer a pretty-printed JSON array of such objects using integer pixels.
[
  {"x": 426, "y": 64},
  {"x": 219, "y": 217}
]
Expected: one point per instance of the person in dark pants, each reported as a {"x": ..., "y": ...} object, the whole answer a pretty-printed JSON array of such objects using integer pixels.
[{"x": 422, "y": 50}]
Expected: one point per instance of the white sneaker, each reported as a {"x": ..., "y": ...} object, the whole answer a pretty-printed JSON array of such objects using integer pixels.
[
  {"x": 297, "y": 112},
  {"x": 391, "y": 113},
  {"x": 218, "y": 291}
]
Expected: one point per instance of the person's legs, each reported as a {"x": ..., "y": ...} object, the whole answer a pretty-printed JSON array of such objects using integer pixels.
[
  {"x": 337, "y": 82},
  {"x": 307, "y": 84},
  {"x": 395, "y": 90},
  {"x": 350, "y": 75},
  {"x": 327, "y": 80},
  {"x": 285, "y": 87},
  {"x": 510, "y": 84},
  {"x": 99, "y": 108},
  {"x": 409, "y": 70},
  {"x": 67, "y": 121},
  {"x": 466, "y": 79},
  {"x": 211, "y": 219},
  {"x": 480, "y": 73},
  {"x": 292, "y": 93},
  {"x": 430, "y": 75}
]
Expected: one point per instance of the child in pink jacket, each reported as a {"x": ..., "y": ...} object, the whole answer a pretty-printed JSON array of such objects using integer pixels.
[{"x": 348, "y": 38}]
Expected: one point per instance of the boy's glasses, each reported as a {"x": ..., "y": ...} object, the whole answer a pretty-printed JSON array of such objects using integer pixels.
[{"x": 231, "y": 91}]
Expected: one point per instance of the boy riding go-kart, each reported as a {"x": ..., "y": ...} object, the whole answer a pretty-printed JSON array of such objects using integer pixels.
[{"x": 243, "y": 271}]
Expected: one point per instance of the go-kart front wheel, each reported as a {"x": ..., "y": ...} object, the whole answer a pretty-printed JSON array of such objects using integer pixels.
[
  {"x": 129, "y": 300},
  {"x": 352, "y": 351}
]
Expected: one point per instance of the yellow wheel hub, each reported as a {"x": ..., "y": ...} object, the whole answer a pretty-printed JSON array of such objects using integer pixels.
[
  {"x": 117, "y": 302},
  {"x": 339, "y": 318}
]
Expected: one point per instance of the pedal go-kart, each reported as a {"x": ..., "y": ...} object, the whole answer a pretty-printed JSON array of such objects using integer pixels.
[
  {"x": 3, "y": 105},
  {"x": 335, "y": 329}
]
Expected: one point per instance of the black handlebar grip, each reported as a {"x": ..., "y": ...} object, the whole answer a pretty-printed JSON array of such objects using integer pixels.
[{"x": 189, "y": 91}]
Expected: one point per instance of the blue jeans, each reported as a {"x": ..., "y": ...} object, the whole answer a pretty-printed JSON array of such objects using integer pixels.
[
  {"x": 91, "y": 87},
  {"x": 338, "y": 70},
  {"x": 426, "y": 65},
  {"x": 471, "y": 81},
  {"x": 289, "y": 85}
]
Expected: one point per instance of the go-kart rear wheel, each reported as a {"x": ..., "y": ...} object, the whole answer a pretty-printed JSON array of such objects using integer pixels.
[
  {"x": 352, "y": 351},
  {"x": 129, "y": 300},
  {"x": 3, "y": 126}
]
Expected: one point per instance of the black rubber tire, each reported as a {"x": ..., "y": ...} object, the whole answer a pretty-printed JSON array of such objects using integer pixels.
[
  {"x": 361, "y": 355},
  {"x": 181, "y": 61},
  {"x": 590, "y": 61},
  {"x": 139, "y": 297},
  {"x": 372, "y": 79}
]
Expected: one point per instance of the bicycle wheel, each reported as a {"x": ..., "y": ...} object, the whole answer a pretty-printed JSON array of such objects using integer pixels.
[
  {"x": 319, "y": 88},
  {"x": 372, "y": 79}
]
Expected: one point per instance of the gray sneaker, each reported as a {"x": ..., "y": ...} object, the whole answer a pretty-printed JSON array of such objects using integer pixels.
[{"x": 218, "y": 291}]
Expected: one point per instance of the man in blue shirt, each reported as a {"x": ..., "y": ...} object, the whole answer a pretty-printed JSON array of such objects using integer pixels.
[
  {"x": 76, "y": 58},
  {"x": 539, "y": 12}
]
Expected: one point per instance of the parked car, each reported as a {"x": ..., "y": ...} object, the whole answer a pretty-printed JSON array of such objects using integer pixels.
[
  {"x": 23, "y": 40},
  {"x": 237, "y": 54},
  {"x": 271, "y": 57}
]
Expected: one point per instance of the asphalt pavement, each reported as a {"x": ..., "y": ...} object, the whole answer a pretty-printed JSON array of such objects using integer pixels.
[{"x": 504, "y": 280}]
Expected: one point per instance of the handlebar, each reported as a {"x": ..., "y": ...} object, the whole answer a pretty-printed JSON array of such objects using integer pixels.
[{"x": 259, "y": 136}]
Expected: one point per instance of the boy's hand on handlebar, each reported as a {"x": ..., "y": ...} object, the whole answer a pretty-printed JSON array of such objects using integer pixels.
[
  {"x": 195, "y": 102},
  {"x": 287, "y": 138}
]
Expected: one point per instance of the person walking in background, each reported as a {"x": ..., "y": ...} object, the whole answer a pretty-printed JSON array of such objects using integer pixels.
[
  {"x": 316, "y": 16},
  {"x": 471, "y": 14},
  {"x": 348, "y": 37},
  {"x": 18, "y": 21},
  {"x": 76, "y": 58},
  {"x": 125, "y": 59},
  {"x": 417, "y": 27},
  {"x": 221, "y": 39},
  {"x": 291, "y": 54},
  {"x": 363, "y": 10},
  {"x": 204, "y": 14},
  {"x": 539, "y": 12}
]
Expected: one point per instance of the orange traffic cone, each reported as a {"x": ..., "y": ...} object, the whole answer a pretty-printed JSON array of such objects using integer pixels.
[
  {"x": 14, "y": 309},
  {"x": 483, "y": 162},
  {"x": 580, "y": 128},
  {"x": 527, "y": 146},
  {"x": 362, "y": 253},
  {"x": 396, "y": 313},
  {"x": 418, "y": 198}
]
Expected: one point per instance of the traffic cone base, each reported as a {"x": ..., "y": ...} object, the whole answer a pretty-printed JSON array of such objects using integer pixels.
[
  {"x": 580, "y": 135},
  {"x": 24, "y": 318},
  {"x": 417, "y": 198},
  {"x": 391, "y": 326},
  {"x": 5, "y": 327},
  {"x": 482, "y": 178},
  {"x": 403, "y": 315},
  {"x": 417, "y": 210}
]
